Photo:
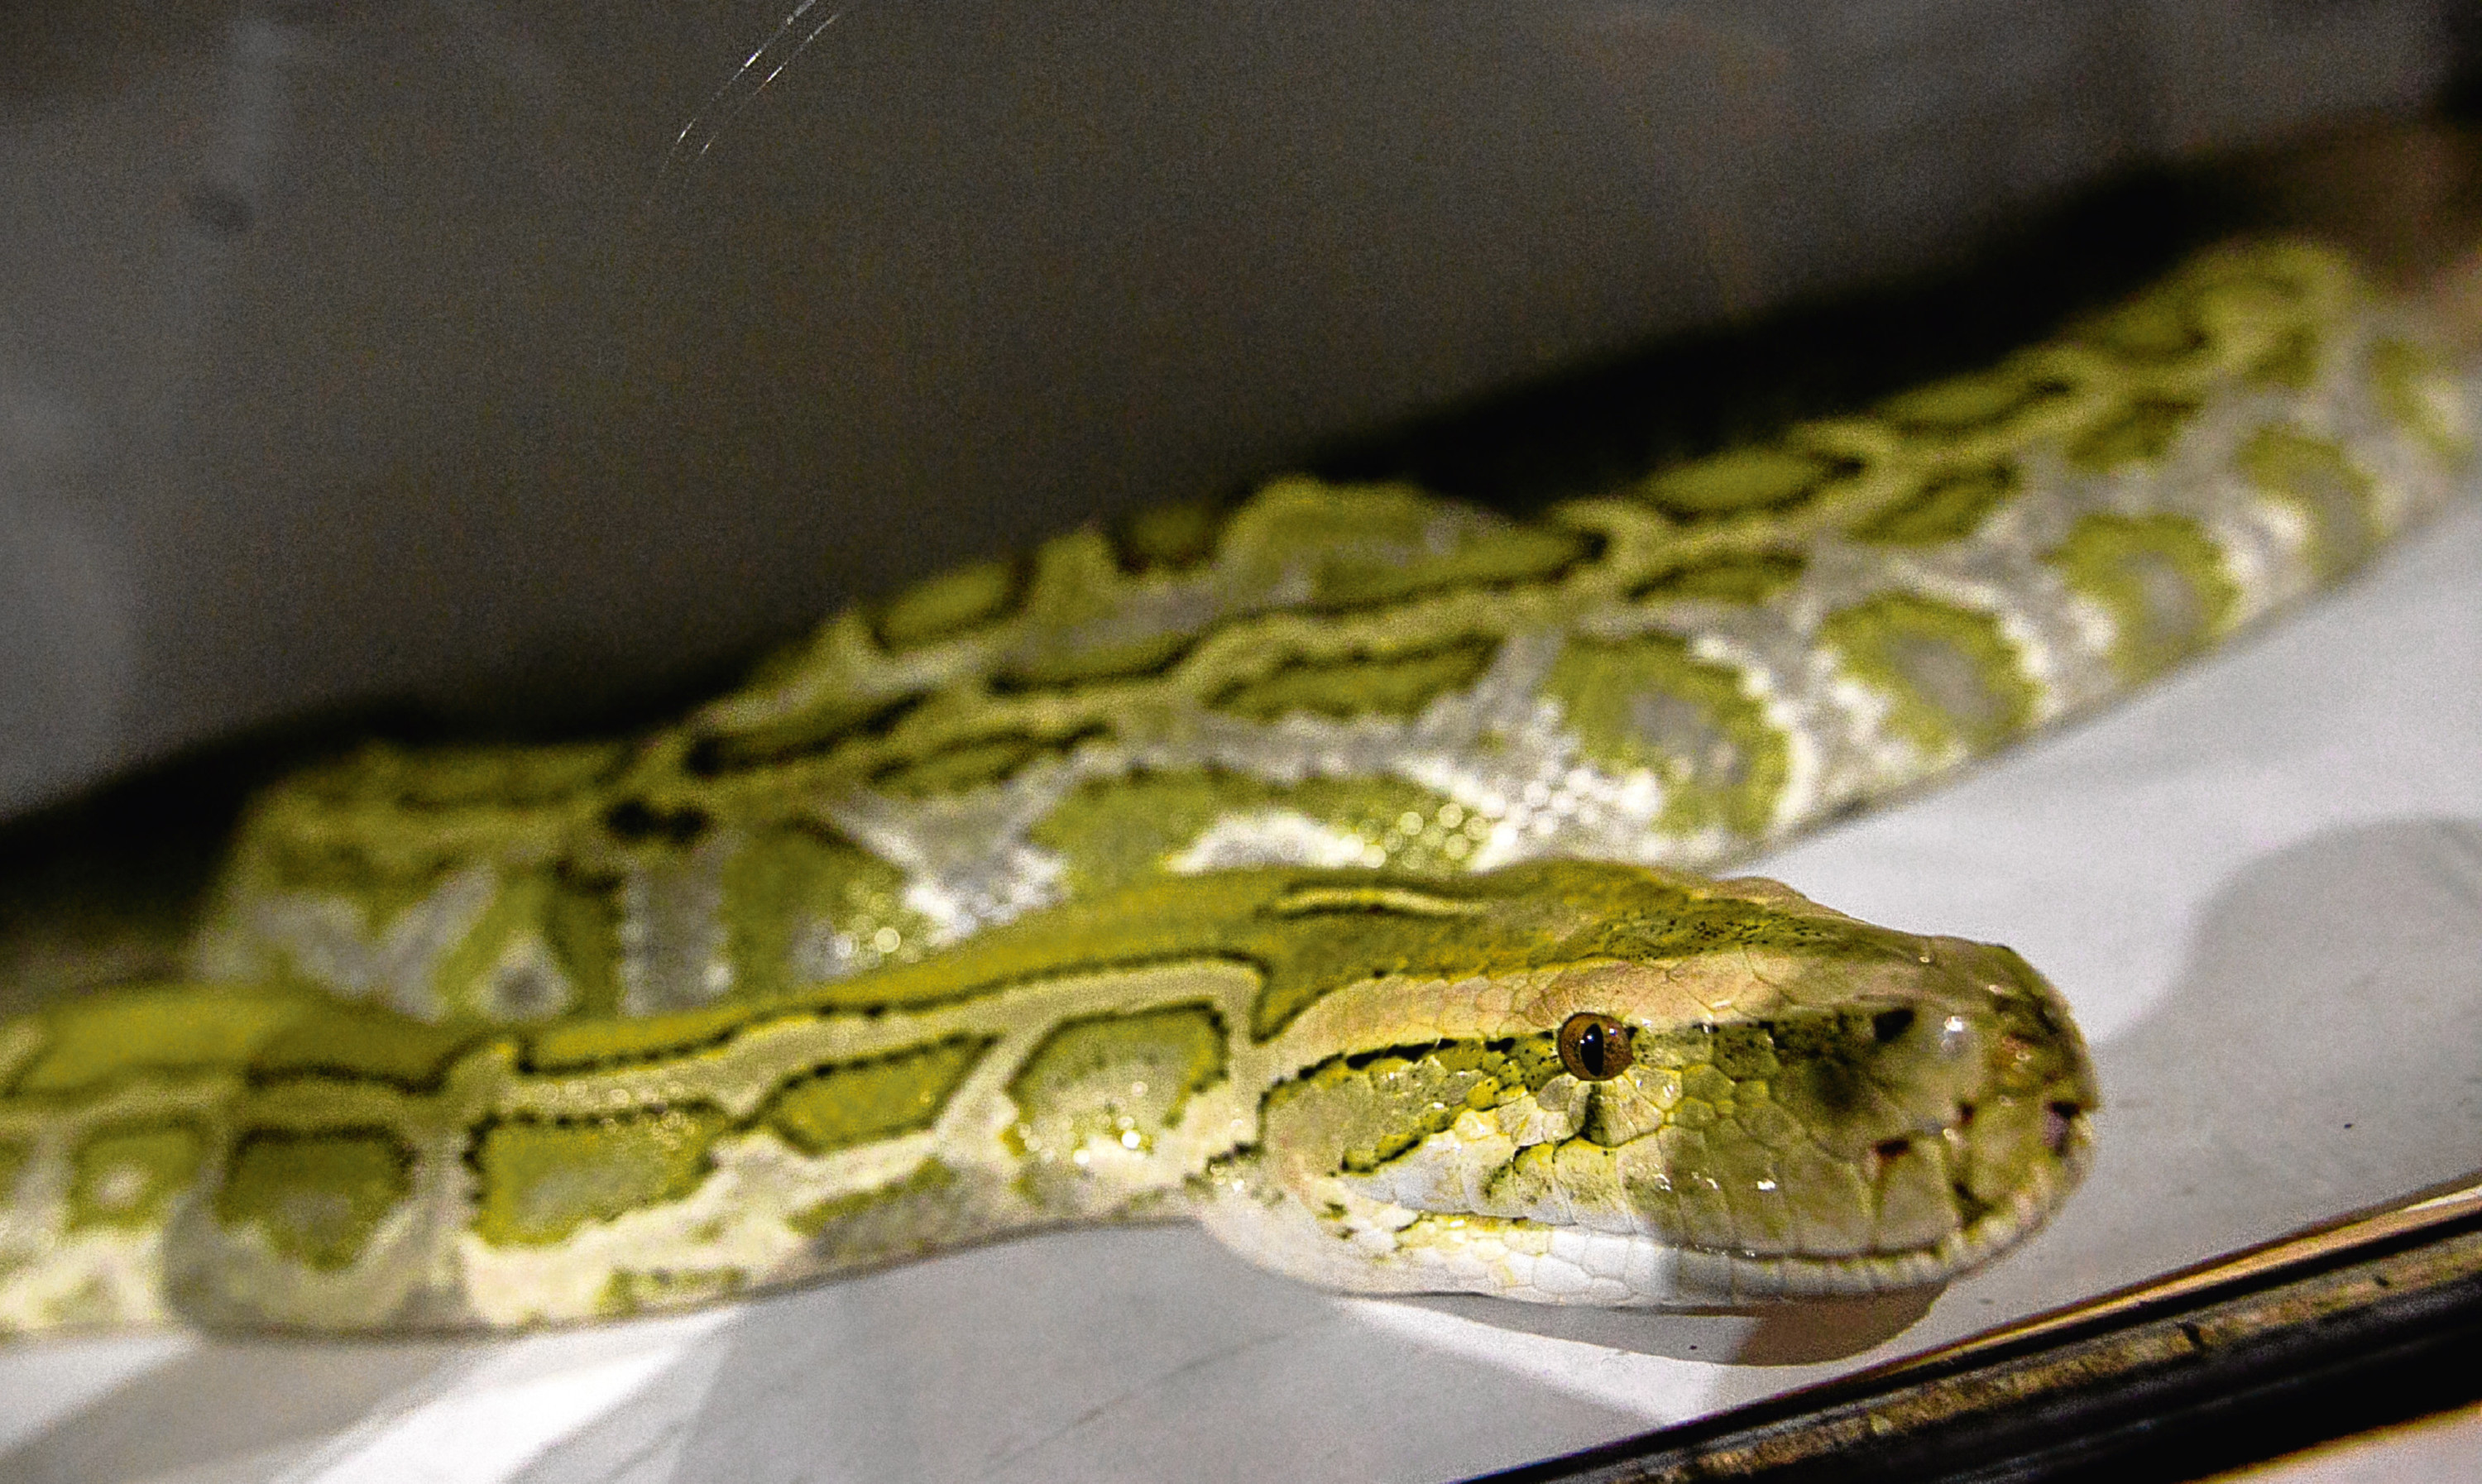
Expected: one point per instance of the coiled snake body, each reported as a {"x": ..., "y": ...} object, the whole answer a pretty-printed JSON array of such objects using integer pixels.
[{"x": 1309, "y": 868}]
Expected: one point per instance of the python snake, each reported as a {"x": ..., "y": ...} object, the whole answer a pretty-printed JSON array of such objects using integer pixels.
[{"x": 1309, "y": 868}]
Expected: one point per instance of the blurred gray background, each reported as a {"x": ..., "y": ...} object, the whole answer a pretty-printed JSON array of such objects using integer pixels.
[{"x": 356, "y": 350}]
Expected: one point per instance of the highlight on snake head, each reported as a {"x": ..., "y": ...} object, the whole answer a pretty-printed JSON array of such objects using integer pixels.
[{"x": 1751, "y": 1098}]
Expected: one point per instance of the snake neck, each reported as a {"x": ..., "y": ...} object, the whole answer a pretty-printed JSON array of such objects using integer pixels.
[{"x": 412, "y": 1177}]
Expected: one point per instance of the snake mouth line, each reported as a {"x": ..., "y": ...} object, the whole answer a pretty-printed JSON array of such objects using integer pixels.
[
  {"x": 1730, "y": 1274},
  {"x": 1548, "y": 1262},
  {"x": 1639, "y": 1268}
]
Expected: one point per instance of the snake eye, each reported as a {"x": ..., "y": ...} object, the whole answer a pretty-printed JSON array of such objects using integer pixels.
[{"x": 1595, "y": 1047}]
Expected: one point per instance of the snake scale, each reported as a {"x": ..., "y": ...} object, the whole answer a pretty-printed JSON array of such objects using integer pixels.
[{"x": 1309, "y": 867}]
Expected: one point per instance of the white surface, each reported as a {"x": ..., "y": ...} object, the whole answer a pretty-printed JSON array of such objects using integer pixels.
[
  {"x": 2260, "y": 884},
  {"x": 2442, "y": 1449}
]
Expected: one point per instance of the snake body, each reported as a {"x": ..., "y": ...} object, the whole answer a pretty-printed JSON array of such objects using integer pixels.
[{"x": 1309, "y": 867}]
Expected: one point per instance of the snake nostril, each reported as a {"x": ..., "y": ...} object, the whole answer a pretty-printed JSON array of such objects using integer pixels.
[
  {"x": 1881, "y": 1153},
  {"x": 1888, "y": 1024},
  {"x": 2058, "y": 1118}
]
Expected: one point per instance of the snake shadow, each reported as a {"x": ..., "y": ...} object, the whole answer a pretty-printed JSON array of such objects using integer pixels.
[{"x": 2320, "y": 1050}]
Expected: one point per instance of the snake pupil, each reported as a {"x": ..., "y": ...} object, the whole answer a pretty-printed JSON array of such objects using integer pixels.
[{"x": 1595, "y": 1047}]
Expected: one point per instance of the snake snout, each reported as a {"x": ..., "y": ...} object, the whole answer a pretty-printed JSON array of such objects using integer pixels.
[{"x": 2020, "y": 1143}]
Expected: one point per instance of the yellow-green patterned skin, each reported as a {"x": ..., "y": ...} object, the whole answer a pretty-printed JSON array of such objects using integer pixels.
[{"x": 1250, "y": 865}]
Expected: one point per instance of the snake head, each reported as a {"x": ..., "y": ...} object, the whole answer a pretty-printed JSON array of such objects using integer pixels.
[{"x": 1731, "y": 1095}]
